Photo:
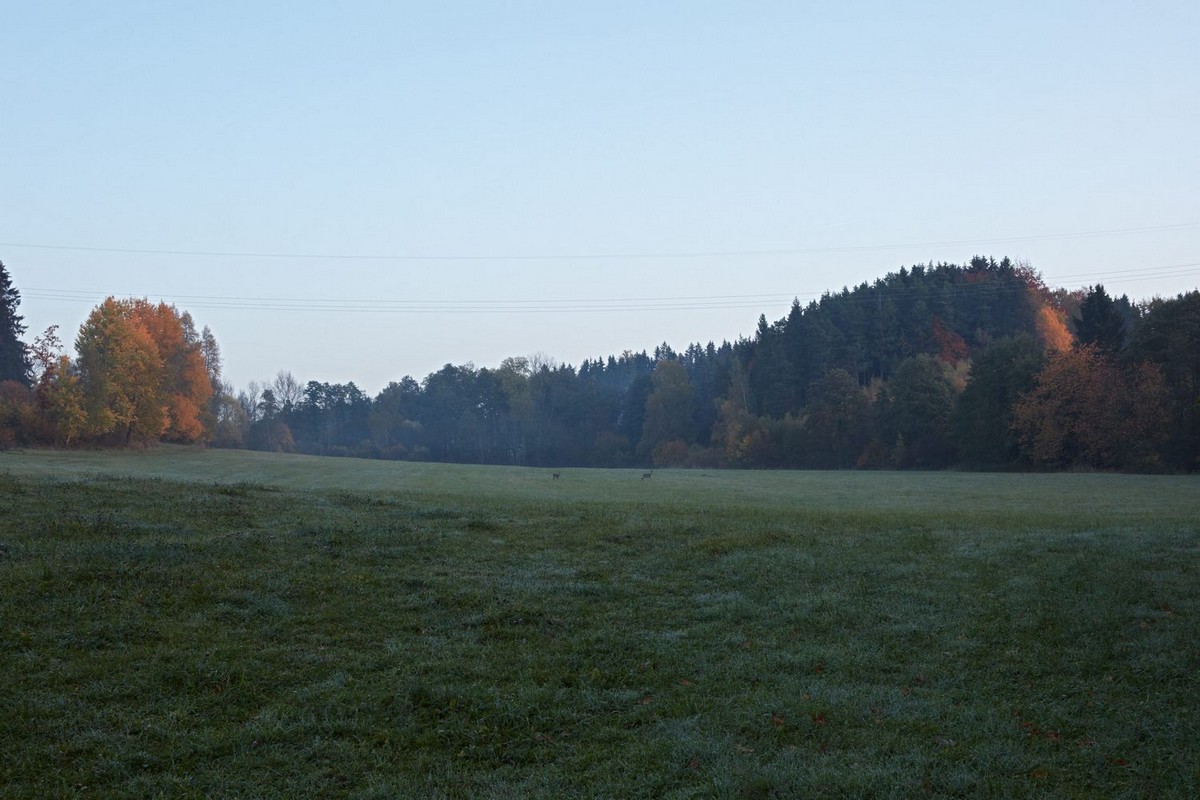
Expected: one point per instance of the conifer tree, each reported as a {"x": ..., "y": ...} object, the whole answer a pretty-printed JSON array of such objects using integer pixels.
[
  {"x": 1100, "y": 322},
  {"x": 14, "y": 357}
]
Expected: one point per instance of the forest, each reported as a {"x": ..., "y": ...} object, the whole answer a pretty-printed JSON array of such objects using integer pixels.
[{"x": 973, "y": 366}]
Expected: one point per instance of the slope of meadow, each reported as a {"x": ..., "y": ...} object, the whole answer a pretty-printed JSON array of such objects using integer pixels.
[{"x": 183, "y": 622}]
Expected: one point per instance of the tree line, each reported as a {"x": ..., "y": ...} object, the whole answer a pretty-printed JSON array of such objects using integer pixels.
[
  {"x": 977, "y": 366},
  {"x": 142, "y": 373}
]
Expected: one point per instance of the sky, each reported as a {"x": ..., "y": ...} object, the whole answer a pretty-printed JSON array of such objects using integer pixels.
[{"x": 362, "y": 191}]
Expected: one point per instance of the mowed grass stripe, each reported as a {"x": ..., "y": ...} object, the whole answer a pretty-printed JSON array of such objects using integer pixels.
[{"x": 491, "y": 634}]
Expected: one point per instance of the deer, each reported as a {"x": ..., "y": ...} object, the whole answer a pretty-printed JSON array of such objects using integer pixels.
[
  {"x": 555, "y": 475},
  {"x": 647, "y": 475}
]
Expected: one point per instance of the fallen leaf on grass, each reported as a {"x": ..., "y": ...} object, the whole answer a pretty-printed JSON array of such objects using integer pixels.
[
  {"x": 777, "y": 720},
  {"x": 693, "y": 763},
  {"x": 1039, "y": 773},
  {"x": 818, "y": 718},
  {"x": 646, "y": 700},
  {"x": 942, "y": 741}
]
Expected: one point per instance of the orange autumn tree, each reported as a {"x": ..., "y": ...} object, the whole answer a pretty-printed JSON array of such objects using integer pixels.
[
  {"x": 1052, "y": 329},
  {"x": 143, "y": 373},
  {"x": 1086, "y": 409},
  {"x": 1050, "y": 318},
  {"x": 185, "y": 378}
]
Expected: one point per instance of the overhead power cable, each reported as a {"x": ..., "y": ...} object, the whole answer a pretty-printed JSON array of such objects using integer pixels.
[
  {"x": 877, "y": 292},
  {"x": 609, "y": 256}
]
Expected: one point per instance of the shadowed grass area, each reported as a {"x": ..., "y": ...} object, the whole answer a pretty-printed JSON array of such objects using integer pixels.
[{"x": 262, "y": 626}]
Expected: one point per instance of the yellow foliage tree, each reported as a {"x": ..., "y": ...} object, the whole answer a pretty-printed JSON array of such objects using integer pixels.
[
  {"x": 1052, "y": 329},
  {"x": 142, "y": 373},
  {"x": 186, "y": 385}
]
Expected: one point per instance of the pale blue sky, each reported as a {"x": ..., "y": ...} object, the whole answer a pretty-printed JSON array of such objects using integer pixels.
[{"x": 841, "y": 132}]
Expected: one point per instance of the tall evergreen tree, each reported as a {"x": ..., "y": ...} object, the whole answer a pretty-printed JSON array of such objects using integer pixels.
[
  {"x": 14, "y": 357},
  {"x": 1099, "y": 322}
]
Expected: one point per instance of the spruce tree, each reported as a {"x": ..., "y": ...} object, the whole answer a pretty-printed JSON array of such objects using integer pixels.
[
  {"x": 1099, "y": 322},
  {"x": 14, "y": 357}
]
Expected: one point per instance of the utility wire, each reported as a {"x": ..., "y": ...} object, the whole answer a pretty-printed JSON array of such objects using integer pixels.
[
  {"x": 610, "y": 256},
  {"x": 67, "y": 293},
  {"x": 877, "y": 292}
]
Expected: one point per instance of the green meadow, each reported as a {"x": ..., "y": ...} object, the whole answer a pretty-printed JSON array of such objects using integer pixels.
[{"x": 197, "y": 623}]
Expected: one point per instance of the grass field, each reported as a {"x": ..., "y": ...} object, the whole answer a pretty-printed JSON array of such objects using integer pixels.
[{"x": 190, "y": 623}]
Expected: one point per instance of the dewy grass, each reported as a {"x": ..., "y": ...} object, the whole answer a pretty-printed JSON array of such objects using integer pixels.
[{"x": 190, "y": 624}]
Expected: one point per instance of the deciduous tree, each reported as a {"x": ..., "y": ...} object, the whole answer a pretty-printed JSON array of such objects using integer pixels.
[
  {"x": 60, "y": 402},
  {"x": 121, "y": 373},
  {"x": 288, "y": 390},
  {"x": 923, "y": 402},
  {"x": 143, "y": 373},
  {"x": 999, "y": 375},
  {"x": 668, "y": 408},
  {"x": 1086, "y": 409},
  {"x": 1168, "y": 334},
  {"x": 186, "y": 378},
  {"x": 837, "y": 424},
  {"x": 1052, "y": 329}
]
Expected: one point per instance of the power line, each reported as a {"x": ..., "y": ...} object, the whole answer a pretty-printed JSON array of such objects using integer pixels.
[
  {"x": 589, "y": 305},
  {"x": 71, "y": 293},
  {"x": 609, "y": 256},
  {"x": 1132, "y": 273},
  {"x": 461, "y": 307}
]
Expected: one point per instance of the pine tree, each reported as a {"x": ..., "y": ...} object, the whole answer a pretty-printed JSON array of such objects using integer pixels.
[
  {"x": 1100, "y": 322},
  {"x": 14, "y": 357}
]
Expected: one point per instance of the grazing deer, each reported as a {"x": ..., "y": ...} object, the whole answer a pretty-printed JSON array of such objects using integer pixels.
[
  {"x": 555, "y": 475},
  {"x": 646, "y": 475}
]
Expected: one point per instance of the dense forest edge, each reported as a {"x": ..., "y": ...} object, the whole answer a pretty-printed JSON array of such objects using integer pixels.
[{"x": 976, "y": 366}]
